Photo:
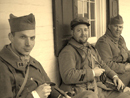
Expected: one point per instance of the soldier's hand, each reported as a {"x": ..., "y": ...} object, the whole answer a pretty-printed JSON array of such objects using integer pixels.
[
  {"x": 127, "y": 67},
  {"x": 44, "y": 90},
  {"x": 98, "y": 71},
  {"x": 126, "y": 89},
  {"x": 120, "y": 85}
]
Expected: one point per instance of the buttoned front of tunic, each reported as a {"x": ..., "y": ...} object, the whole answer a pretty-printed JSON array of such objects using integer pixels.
[
  {"x": 10, "y": 82},
  {"x": 74, "y": 72},
  {"x": 114, "y": 53}
]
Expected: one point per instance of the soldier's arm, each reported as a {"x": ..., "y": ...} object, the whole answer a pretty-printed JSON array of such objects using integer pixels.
[
  {"x": 105, "y": 53},
  {"x": 68, "y": 71}
]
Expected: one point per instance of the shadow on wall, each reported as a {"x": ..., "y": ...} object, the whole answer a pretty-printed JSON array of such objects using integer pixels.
[{"x": 62, "y": 35}]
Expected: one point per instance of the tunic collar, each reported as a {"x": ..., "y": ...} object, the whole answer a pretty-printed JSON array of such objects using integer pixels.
[
  {"x": 112, "y": 38},
  {"x": 7, "y": 55},
  {"x": 78, "y": 45}
]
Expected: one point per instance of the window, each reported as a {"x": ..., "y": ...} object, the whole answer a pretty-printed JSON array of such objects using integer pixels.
[
  {"x": 98, "y": 12},
  {"x": 86, "y": 8},
  {"x": 90, "y": 9}
]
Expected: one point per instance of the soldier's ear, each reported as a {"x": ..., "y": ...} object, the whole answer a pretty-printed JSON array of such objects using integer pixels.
[
  {"x": 10, "y": 36},
  {"x": 72, "y": 32}
]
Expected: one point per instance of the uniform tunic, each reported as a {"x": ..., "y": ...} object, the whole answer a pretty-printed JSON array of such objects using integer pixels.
[
  {"x": 10, "y": 82},
  {"x": 77, "y": 74},
  {"x": 114, "y": 52}
]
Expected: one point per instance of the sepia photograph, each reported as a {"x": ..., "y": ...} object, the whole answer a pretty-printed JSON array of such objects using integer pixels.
[{"x": 64, "y": 49}]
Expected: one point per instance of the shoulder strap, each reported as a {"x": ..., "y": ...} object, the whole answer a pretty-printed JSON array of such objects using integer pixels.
[
  {"x": 95, "y": 84},
  {"x": 14, "y": 74},
  {"x": 80, "y": 52},
  {"x": 24, "y": 82},
  {"x": 12, "y": 70}
]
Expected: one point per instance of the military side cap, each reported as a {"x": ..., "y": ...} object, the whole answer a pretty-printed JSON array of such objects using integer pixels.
[
  {"x": 79, "y": 20},
  {"x": 117, "y": 20},
  {"x": 22, "y": 23}
]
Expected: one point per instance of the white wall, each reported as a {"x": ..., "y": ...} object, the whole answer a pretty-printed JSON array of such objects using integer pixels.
[
  {"x": 44, "y": 47},
  {"x": 124, "y": 11},
  {"x": 101, "y": 17}
]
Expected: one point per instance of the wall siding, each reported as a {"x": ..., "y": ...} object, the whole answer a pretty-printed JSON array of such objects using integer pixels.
[
  {"x": 124, "y": 10},
  {"x": 44, "y": 45}
]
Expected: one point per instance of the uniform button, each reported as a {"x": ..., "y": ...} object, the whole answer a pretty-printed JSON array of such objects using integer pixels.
[{"x": 31, "y": 78}]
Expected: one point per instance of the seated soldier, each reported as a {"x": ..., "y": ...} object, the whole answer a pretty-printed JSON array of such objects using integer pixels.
[
  {"x": 21, "y": 76},
  {"x": 113, "y": 51},
  {"x": 81, "y": 67}
]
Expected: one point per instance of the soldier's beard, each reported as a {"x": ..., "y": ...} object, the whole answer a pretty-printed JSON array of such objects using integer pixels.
[{"x": 83, "y": 41}]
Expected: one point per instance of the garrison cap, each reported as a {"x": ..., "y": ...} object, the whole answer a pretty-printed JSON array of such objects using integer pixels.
[
  {"x": 79, "y": 20},
  {"x": 116, "y": 20},
  {"x": 22, "y": 23}
]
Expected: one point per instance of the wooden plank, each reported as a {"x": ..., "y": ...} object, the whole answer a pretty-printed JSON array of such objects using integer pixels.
[
  {"x": 75, "y": 8},
  {"x": 67, "y": 18},
  {"x": 112, "y": 9},
  {"x": 57, "y": 25},
  {"x": 62, "y": 16}
]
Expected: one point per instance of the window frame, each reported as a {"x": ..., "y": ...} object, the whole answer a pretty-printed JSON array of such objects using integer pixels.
[
  {"x": 99, "y": 18},
  {"x": 66, "y": 10}
]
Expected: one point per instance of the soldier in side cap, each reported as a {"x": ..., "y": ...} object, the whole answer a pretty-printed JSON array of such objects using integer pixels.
[
  {"x": 113, "y": 50},
  {"x": 82, "y": 69},
  {"x": 21, "y": 76}
]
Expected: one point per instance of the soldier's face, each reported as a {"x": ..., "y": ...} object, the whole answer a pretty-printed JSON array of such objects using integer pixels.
[
  {"x": 81, "y": 33},
  {"x": 116, "y": 30},
  {"x": 23, "y": 41}
]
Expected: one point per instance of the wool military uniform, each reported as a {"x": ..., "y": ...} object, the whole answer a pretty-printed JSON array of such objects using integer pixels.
[
  {"x": 77, "y": 75},
  {"x": 12, "y": 74},
  {"x": 114, "y": 52},
  {"x": 20, "y": 75}
]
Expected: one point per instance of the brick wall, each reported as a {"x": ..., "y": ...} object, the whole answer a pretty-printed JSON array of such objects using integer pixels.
[{"x": 44, "y": 46}]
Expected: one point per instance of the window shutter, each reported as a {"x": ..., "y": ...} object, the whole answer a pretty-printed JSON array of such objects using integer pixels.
[
  {"x": 63, "y": 12},
  {"x": 112, "y": 9}
]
